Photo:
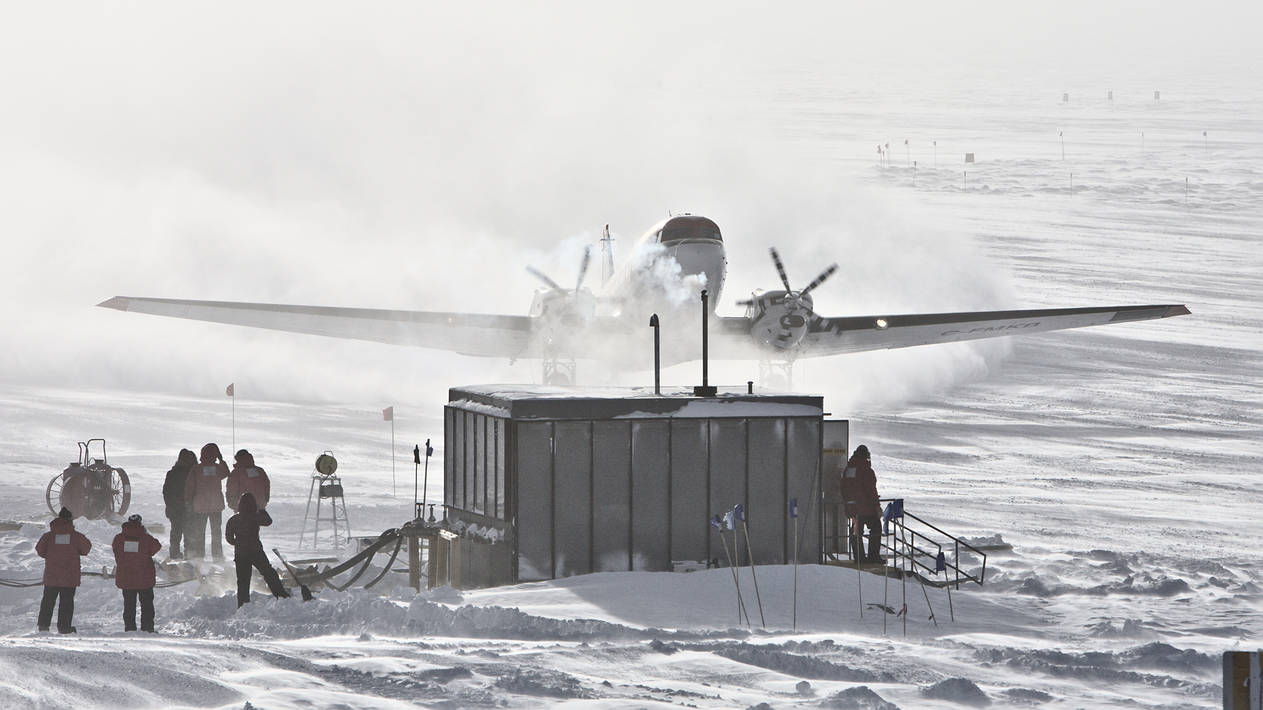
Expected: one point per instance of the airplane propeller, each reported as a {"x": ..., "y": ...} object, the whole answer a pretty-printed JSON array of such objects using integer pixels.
[
  {"x": 796, "y": 297},
  {"x": 583, "y": 272}
]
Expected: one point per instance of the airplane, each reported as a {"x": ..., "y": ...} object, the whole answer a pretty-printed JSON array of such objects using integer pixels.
[{"x": 669, "y": 266}]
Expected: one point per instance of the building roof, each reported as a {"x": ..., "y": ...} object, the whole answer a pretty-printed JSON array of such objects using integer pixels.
[{"x": 552, "y": 402}]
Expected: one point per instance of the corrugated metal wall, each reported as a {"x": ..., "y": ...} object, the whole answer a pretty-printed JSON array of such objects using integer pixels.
[{"x": 635, "y": 494}]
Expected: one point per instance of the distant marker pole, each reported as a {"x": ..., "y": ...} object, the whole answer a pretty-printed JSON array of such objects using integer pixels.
[
  {"x": 1062, "y": 136},
  {"x": 907, "y": 154},
  {"x": 1205, "y": 144},
  {"x": 389, "y": 415},
  {"x": 1142, "y": 144},
  {"x": 935, "y": 154},
  {"x": 231, "y": 391},
  {"x": 1185, "y": 191}
]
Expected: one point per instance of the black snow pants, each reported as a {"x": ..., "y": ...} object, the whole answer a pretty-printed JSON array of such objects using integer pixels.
[
  {"x": 65, "y": 608},
  {"x": 179, "y": 521},
  {"x": 256, "y": 560},
  {"x": 146, "y": 609},
  {"x": 873, "y": 523}
]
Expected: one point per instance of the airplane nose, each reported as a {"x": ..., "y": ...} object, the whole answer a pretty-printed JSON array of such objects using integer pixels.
[{"x": 702, "y": 257}]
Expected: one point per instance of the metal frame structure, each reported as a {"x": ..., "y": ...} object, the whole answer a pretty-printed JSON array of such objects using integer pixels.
[{"x": 326, "y": 486}]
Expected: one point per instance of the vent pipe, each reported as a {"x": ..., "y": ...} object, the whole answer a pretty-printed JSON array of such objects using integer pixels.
[
  {"x": 705, "y": 389},
  {"x": 657, "y": 357}
]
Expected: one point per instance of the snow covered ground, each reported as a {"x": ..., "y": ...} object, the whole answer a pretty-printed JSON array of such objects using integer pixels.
[{"x": 1122, "y": 463}]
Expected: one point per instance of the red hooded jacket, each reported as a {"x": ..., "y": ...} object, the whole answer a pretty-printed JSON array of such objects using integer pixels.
[
  {"x": 202, "y": 490},
  {"x": 859, "y": 488},
  {"x": 133, "y": 557},
  {"x": 248, "y": 478},
  {"x": 61, "y": 549}
]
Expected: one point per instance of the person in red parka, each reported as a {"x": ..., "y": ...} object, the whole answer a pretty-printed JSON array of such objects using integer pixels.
[
  {"x": 205, "y": 495},
  {"x": 61, "y": 547},
  {"x": 246, "y": 477},
  {"x": 134, "y": 549},
  {"x": 862, "y": 505},
  {"x": 242, "y": 532}
]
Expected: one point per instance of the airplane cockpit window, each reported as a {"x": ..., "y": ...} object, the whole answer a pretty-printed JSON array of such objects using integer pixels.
[{"x": 688, "y": 227}]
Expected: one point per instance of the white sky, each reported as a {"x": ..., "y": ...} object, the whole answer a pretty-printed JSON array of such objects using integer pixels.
[{"x": 411, "y": 156}]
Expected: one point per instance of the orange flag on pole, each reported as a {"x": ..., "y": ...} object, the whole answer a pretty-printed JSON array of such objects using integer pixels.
[
  {"x": 388, "y": 414},
  {"x": 230, "y": 391}
]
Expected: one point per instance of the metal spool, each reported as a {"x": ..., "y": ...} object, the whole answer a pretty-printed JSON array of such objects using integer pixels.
[
  {"x": 326, "y": 465},
  {"x": 90, "y": 487}
]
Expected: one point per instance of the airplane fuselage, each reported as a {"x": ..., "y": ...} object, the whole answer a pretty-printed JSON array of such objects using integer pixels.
[{"x": 669, "y": 266}]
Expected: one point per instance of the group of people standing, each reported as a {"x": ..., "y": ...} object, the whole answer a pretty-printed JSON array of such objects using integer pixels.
[
  {"x": 195, "y": 498},
  {"x": 62, "y": 546}
]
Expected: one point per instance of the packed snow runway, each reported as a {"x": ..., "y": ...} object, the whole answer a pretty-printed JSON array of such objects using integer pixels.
[{"x": 1122, "y": 463}]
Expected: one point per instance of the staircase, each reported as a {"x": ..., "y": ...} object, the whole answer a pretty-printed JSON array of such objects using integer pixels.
[{"x": 913, "y": 547}]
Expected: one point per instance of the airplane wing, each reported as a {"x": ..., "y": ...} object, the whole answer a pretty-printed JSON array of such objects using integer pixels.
[
  {"x": 832, "y": 336},
  {"x": 465, "y": 333}
]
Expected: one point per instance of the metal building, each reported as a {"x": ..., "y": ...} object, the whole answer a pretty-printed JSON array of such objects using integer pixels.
[{"x": 548, "y": 482}]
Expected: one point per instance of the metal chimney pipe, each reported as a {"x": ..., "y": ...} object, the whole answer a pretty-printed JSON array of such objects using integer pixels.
[
  {"x": 705, "y": 342},
  {"x": 705, "y": 390},
  {"x": 657, "y": 355}
]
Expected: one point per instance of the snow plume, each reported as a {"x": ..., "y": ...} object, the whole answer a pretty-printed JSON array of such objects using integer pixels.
[
  {"x": 393, "y": 169},
  {"x": 660, "y": 273}
]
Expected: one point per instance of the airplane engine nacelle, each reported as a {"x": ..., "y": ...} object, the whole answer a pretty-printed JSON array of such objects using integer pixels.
[
  {"x": 779, "y": 319},
  {"x": 563, "y": 315}
]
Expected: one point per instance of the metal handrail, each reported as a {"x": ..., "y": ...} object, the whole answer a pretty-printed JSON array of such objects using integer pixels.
[{"x": 903, "y": 541}]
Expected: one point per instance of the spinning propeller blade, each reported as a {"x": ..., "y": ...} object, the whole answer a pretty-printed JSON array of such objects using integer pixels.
[
  {"x": 820, "y": 279},
  {"x": 583, "y": 267},
  {"x": 543, "y": 277},
  {"x": 780, "y": 268},
  {"x": 583, "y": 272}
]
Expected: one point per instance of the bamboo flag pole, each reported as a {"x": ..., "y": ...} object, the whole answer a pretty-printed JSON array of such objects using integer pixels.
[
  {"x": 903, "y": 558},
  {"x": 859, "y": 588},
  {"x": 718, "y": 523},
  {"x": 940, "y": 565},
  {"x": 885, "y": 594},
  {"x": 741, "y": 514},
  {"x": 927, "y": 602},
  {"x": 793, "y": 513}
]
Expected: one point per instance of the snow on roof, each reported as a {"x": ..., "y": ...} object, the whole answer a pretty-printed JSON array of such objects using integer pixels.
[{"x": 553, "y": 402}]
